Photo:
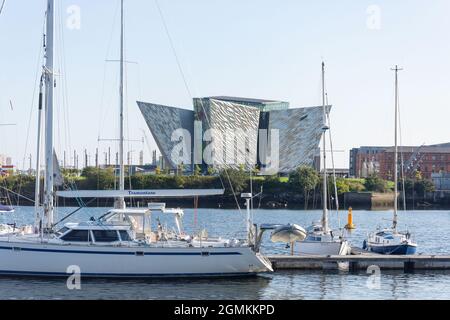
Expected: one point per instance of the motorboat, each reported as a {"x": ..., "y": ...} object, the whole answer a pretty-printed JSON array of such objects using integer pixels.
[{"x": 389, "y": 242}]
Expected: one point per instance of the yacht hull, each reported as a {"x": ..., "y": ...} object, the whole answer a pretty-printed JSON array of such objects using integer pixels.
[
  {"x": 403, "y": 249},
  {"x": 318, "y": 248},
  {"x": 128, "y": 262}
]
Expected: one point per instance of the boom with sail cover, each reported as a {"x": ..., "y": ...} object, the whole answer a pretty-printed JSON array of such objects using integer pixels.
[{"x": 141, "y": 193}]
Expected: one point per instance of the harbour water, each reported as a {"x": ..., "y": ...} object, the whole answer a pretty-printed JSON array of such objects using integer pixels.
[{"x": 430, "y": 228}]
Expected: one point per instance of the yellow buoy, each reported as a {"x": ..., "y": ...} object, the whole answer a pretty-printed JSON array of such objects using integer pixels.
[{"x": 350, "y": 225}]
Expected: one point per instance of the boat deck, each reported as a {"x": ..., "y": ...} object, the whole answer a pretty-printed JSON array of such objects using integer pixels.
[{"x": 361, "y": 260}]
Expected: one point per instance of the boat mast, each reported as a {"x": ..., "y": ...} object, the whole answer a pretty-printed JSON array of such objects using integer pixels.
[
  {"x": 49, "y": 100},
  {"x": 37, "y": 193},
  {"x": 324, "y": 129},
  {"x": 121, "y": 200},
  {"x": 395, "y": 221}
]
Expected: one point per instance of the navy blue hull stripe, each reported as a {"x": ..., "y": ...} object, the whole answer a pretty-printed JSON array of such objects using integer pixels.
[
  {"x": 125, "y": 275},
  {"x": 123, "y": 253}
]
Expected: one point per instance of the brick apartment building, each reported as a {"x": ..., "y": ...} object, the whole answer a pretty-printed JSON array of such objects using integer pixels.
[{"x": 427, "y": 160}]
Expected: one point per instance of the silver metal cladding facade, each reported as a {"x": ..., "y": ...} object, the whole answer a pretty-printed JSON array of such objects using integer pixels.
[{"x": 230, "y": 132}]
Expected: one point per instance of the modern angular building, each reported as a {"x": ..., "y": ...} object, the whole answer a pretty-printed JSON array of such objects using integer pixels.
[{"x": 235, "y": 132}]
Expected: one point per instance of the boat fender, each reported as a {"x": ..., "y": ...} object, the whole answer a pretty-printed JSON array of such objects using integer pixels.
[{"x": 364, "y": 245}]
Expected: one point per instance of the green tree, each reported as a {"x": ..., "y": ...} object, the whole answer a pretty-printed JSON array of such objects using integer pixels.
[
  {"x": 211, "y": 171},
  {"x": 304, "y": 179},
  {"x": 422, "y": 187},
  {"x": 375, "y": 184},
  {"x": 197, "y": 171},
  {"x": 234, "y": 179},
  {"x": 342, "y": 186},
  {"x": 96, "y": 178}
]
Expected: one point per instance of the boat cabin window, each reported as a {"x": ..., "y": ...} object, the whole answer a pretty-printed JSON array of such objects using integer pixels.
[
  {"x": 77, "y": 236},
  {"x": 105, "y": 235},
  {"x": 124, "y": 235},
  {"x": 62, "y": 231}
]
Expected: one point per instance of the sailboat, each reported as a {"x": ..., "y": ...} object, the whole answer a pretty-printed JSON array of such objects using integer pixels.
[
  {"x": 390, "y": 241},
  {"x": 6, "y": 209},
  {"x": 121, "y": 243},
  {"x": 320, "y": 239}
]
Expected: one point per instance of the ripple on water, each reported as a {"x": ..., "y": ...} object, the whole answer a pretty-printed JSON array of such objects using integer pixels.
[{"x": 431, "y": 230}]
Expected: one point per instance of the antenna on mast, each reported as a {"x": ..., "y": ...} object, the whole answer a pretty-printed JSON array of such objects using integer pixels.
[
  {"x": 395, "y": 221},
  {"x": 49, "y": 81},
  {"x": 324, "y": 129},
  {"x": 121, "y": 201}
]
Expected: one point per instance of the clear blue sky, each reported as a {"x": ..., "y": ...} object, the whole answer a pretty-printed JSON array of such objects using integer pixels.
[{"x": 250, "y": 48}]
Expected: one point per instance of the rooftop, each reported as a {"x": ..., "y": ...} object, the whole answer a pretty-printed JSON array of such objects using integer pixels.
[
  {"x": 424, "y": 149},
  {"x": 248, "y": 100}
]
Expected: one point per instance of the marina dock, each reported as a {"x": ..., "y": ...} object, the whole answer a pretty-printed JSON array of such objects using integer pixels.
[{"x": 361, "y": 262}]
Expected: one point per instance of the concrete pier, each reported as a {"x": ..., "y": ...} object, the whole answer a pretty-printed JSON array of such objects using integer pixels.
[{"x": 361, "y": 262}]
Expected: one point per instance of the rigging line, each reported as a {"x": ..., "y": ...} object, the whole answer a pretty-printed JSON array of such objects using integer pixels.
[
  {"x": 16, "y": 194},
  {"x": 166, "y": 28},
  {"x": 333, "y": 163},
  {"x": 1, "y": 7},
  {"x": 74, "y": 212},
  {"x": 402, "y": 171},
  {"x": 102, "y": 101},
  {"x": 66, "y": 109},
  {"x": 38, "y": 69},
  {"x": 180, "y": 68},
  {"x": 226, "y": 171}
]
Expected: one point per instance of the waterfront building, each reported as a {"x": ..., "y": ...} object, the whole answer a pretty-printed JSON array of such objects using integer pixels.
[
  {"x": 441, "y": 182},
  {"x": 5, "y": 160},
  {"x": 426, "y": 160},
  {"x": 253, "y": 124}
]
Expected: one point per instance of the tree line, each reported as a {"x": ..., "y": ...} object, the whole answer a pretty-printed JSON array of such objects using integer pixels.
[{"x": 303, "y": 186}]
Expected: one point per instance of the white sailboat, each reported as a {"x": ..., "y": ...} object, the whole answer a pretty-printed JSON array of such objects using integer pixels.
[
  {"x": 390, "y": 241},
  {"x": 120, "y": 244},
  {"x": 320, "y": 239}
]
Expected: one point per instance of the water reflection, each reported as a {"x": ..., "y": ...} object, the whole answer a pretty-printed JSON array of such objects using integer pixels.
[{"x": 281, "y": 285}]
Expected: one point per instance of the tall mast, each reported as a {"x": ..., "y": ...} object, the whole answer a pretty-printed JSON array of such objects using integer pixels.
[
  {"x": 395, "y": 221},
  {"x": 121, "y": 202},
  {"x": 37, "y": 193},
  {"x": 325, "y": 128},
  {"x": 49, "y": 99}
]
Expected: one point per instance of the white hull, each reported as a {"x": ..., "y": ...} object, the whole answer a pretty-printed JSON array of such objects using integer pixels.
[
  {"x": 128, "y": 262},
  {"x": 318, "y": 248}
]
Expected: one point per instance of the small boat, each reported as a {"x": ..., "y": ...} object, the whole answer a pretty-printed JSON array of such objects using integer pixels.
[
  {"x": 390, "y": 241},
  {"x": 6, "y": 209},
  {"x": 321, "y": 240},
  {"x": 289, "y": 233}
]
